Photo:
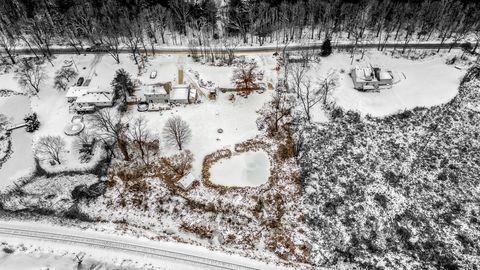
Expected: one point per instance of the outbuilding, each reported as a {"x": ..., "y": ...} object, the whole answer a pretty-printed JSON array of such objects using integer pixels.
[
  {"x": 186, "y": 181},
  {"x": 180, "y": 94}
]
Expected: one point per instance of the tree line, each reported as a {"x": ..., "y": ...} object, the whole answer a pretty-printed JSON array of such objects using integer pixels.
[{"x": 139, "y": 25}]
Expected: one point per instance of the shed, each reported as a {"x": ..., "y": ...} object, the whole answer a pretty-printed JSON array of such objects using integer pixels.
[
  {"x": 180, "y": 94},
  {"x": 186, "y": 181}
]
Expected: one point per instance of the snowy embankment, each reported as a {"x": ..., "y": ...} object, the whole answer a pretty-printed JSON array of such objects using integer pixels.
[
  {"x": 120, "y": 250},
  {"x": 419, "y": 83},
  {"x": 248, "y": 169}
]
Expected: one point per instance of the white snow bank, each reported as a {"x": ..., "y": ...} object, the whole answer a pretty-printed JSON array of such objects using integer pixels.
[{"x": 248, "y": 169}]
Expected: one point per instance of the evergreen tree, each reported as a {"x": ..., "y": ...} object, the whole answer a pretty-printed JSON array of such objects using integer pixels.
[
  {"x": 32, "y": 123},
  {"x": 326, "y": 48},
  {"x": 122, "y": 85}
]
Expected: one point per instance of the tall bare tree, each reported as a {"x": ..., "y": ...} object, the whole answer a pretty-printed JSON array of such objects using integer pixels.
[
  {"x": 308, "y": 97},
  {"x": 277, "y": 113},
  {"x": 31, "y": 75},
  {"x": 109, "y": 127},
  {"x": 143, "y": 140},
  {"x": 50, "y": 148},
  {"x": 177, "y": 132}
]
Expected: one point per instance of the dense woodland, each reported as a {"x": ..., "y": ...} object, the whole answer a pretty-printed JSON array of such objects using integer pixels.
[
  {"x": 399, "y": 192},
  {"x": 140, "y": 24}
]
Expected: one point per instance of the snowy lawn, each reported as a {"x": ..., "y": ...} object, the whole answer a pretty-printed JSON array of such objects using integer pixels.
[
  {"x": 236, "y": 119},
  {"x": 248, "y": 169},
  {"x": 20, "y": 162},
  {"x": 423, "y": 83}
]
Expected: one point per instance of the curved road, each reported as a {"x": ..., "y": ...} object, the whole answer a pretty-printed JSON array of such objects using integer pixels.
[{"x": 145, "y": 248}]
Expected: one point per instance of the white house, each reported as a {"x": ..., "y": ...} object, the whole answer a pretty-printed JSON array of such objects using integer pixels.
[
  {"x": 87, "y": 99},
  {"x": 180, "y": 94},
  {"x": 370, "y": 77}
]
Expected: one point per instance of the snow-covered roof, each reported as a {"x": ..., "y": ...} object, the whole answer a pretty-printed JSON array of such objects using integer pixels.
[
  {"x": 95, "y": 98},
  {"x": 364, "y": 74},
  {"x": 385, "y": 75},
  {"x": 153, "y": 90},
  {"x": 179, "y": 92},
  {"x": 78, "y": 91},
  {"x": 186, "y": 181}
]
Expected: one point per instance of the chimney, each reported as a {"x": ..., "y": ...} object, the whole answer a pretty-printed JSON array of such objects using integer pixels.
[{"x": 180, "y": 76}]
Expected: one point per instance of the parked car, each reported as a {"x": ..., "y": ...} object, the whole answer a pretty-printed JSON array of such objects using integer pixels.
[
  {"x": 153, "y": 75},
  {"x": 80, "y": 81},
  {"x": 97, "y": 48}
]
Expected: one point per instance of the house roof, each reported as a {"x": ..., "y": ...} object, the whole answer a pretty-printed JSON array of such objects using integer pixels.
[
  {"x": 384, "y": 75},
  {"x": 180, "y": 92},
  {"x": 154, "y": 90},
  {"x": 78, "y": 91},
  {"x": 364, "y": 74},
  {"x": 95, "y": 98}
]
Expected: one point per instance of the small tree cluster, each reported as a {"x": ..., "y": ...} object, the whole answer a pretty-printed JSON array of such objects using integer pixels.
[{"x": 63, "y": 77}]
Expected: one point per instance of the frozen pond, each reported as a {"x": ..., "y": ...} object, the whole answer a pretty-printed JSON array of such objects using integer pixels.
[
  {"x": 248, "y": 169},
  {"x": 21, "y": 160}
]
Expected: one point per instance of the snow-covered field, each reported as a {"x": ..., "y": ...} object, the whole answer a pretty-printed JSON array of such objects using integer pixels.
[{"x": 248, "y": 169}]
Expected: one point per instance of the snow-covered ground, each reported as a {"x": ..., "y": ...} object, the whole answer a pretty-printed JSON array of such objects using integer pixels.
[
  {"x": 423, "y": 83},
  {"x": 60, "y": 253},
  {"x": 21, "y": 160},
  {"x": 236, "y": 119},
  {"x": 243, "y": 170}
]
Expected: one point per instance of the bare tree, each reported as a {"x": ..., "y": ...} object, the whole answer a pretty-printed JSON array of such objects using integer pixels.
[
  {"x": 50, "y": 148},
  {"x": 296, "y": 74},
  {"x": 63, "y": 77},
  {"x": 177, "y": 131},
  {"x": 8, "y": 38},
  {"x": 308, "y": 98},
  {"x": 109, "y": 127},
  {"x": 143, "y": 140},
  {"x": 230, "y": 51},
  {"x": 276, "y": 113},
  {"x": 181, "y": 9},
  {"x": 31, "y": 75},
  {"x": 245, "y": 76},
  {"x": 327, "y": 84}
]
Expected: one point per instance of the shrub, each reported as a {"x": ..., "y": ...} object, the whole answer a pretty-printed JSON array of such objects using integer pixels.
[
  {"x": 326, "y": 48},
  {"x": 32, "y": 122},
  {"x": 75, "y": 213}
]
